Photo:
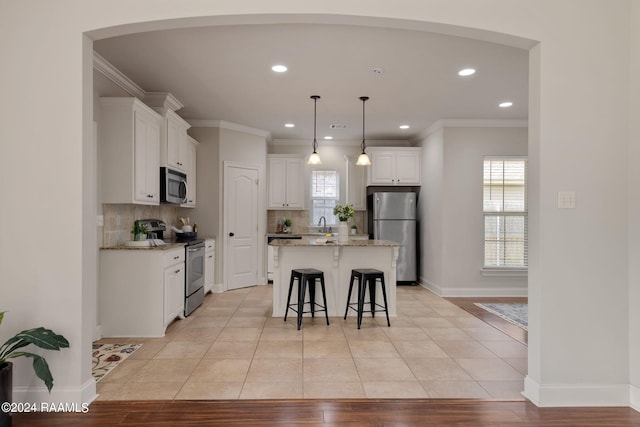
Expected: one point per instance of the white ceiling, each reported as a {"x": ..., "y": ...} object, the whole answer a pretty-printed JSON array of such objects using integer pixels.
[{"x": 224, "y": 73}]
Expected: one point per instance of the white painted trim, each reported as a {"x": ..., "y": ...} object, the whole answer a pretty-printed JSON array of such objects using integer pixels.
[
  {"x": 504, "y": 272},
  {"x": 86, "y": 393},
  {"x": 97, "y": 332},
  {"x": 107, "y": 69},
  {"x": 634, "y": 397},
  {"x": 446, "y": 292},
  {"x": 230, "y": 126},
  {"x": 582, "y": 395},
  {"x": 471, "y": 123},
  {"x": 162, "y": 99}
]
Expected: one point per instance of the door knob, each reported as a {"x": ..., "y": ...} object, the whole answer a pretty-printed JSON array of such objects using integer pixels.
[{"x": 231, "y": 234}]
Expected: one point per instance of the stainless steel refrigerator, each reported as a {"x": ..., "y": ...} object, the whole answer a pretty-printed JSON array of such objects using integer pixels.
[{"x": 394, "y": 218}]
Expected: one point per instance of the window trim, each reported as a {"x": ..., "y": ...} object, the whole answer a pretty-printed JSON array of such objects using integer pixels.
[
  {"x": 487, "y": 270},
  {"x": 330, "y": 218}
]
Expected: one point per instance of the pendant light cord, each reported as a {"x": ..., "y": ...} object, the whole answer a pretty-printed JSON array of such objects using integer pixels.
[
  {"x": 363, "y": 99},
  {"x": 315, "y": 107}
]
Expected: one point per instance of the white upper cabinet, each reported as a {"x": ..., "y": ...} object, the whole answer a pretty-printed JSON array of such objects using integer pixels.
[
  {"x": 190, "y": 169},
  {"x": 129, "y": 152},
  {"x": 174, "y": 146},
  {"x": 356, "y": 183},
  {"x": 395, "y": 166},
  {"x": 286, "y": 182}
]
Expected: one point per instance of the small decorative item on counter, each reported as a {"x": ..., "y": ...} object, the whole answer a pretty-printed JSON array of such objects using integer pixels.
[
  {"x": 195, "y": 227},
  {"x": 287, "y": 226},
  {"x": 279, "y": 226},
  {"x": 139, "y": 231},
  {"x": 354, "y": 229}
]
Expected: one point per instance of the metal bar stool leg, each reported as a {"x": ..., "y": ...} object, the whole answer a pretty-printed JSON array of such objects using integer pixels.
[
  {"x": 362, "y": 289},
  {"x": 372, "y": 294},
  {"x": 324, "y": 298},
  {"x": 289, "y": 296},
  {"x": 302, "y": 282},
  {"x": 312, "y": 295},
  {"x": 384, "y": 295},
  {"x": 346, "y": 310}
]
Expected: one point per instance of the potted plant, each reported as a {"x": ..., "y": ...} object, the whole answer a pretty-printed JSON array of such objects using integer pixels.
[
  {"x": 344, "y": 212},
  {"x": 287, "y": 225},
  {"x": 354, "y": 229},
  {"x": 139, "y": 231},
  {"x": 40, "y": 337}
]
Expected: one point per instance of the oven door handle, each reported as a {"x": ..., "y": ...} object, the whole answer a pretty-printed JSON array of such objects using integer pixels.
[{"x": 195, "y": 249}]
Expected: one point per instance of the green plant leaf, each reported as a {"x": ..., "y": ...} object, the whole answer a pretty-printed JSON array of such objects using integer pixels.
[
  {"x": 43, "y": 338},
  {"x": 41, "y": 367},
  {"x": 2, "y": 316}
]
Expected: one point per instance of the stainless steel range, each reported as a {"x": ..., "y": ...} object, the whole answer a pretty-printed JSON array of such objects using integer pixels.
[
  {"x": 194, "y": 263},
  {"x": 194, "y": 276}
]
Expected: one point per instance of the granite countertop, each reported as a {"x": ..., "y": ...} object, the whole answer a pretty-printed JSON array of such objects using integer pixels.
[
  {"x": 170, "y": 243},
  {"x": 286, "y": 235},
  {"x": 333, "y": 242}
]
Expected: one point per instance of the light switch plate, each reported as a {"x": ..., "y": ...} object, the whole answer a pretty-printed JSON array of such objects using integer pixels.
[
  {"x": 100, "y": 221},
  {"x": 566, "y": 199}
]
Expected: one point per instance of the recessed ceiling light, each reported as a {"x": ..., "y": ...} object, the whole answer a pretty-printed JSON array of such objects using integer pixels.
[
  {"x": 505, "y": 104},
  {"x": 404, "y": 126},
  {"x": 289, "y": 125},
  {"x": 279, "y": 68},
  {"x": 328, "y": 137},
  {"x": 465, "y": 72}
]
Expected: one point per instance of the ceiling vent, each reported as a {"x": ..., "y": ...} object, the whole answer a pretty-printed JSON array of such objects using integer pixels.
[{"x": 337, "y": 126}]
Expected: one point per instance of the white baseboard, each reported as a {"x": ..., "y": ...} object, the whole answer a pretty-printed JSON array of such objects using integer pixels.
[
  {"x": 217, "y": 288},
  {"x": 72, "y": 398},
  {"x": 472, "y": 292},
  {"x": 97, "y": 332},
  {"x": 634, "y": 397},
  {"x": 565, "y": 395}
]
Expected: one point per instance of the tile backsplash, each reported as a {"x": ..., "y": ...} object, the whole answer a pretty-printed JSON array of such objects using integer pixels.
[
  {"x": 119, "y": 219},
  {"x": 300, "y": 220}
]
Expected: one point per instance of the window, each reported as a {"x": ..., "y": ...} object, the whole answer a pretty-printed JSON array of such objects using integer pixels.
[
  {"x": 505, "y": 213},
  {"x": 324, "y": 195}
]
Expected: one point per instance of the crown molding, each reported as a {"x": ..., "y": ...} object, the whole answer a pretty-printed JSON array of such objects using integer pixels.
[
  {"x": 472, "y": 123},
  {"x": 162, "y": 100},
  {"x": 229, "y": 126},
  {"x": 107, "y": 69}
]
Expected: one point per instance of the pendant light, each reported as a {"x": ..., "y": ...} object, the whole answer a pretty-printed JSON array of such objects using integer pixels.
[
  {"x": 363, "y": 159},
  {"x": 314, "y": 158}
]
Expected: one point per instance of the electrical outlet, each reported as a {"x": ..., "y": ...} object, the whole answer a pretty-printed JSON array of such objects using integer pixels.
[
  {"x": 566, "y": 199},
  {"x": 100, "y": 221}
]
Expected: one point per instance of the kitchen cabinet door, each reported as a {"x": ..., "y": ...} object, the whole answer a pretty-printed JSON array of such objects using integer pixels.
[
  {"x": 129, "y": 152},
  {"x": 356, "y": 184},
  {"x": 395, "y": 166},
  {"x": 173, "y": 292},
  {"x": 175, "y": 147},
  {"x": 286, "y": 183}
]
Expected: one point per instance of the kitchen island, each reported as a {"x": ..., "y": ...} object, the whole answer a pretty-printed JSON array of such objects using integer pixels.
[{"x": 336, "y": 260}]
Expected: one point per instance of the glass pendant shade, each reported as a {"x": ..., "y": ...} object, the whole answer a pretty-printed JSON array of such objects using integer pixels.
[
  {"x": 363, "y": 160},
  {"x": 314, "y": 158}
]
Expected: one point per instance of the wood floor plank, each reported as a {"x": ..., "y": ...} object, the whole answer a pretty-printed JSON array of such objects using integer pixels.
[{"x": 309, "y": 413}]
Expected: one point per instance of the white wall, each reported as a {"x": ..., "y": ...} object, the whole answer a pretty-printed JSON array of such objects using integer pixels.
[
  {"x": 634, "y": 209},
  {"x": 430, "y": 211},
  {"x": 453, "y": 209},
  {"x": 579, "y": 121}
]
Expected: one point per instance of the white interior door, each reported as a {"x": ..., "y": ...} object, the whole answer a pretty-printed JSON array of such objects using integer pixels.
[{"x": 241, "y": 198}]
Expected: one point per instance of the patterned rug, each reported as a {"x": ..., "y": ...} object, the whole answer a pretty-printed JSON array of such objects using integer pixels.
[
  {"x": 108, "y": 356},
  {"x": 513, "y": 313}
]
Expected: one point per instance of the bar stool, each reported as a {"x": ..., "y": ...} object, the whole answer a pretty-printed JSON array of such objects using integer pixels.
[
  {"x": 306, "y": 276},
  {"x": 364, "y": 276}
]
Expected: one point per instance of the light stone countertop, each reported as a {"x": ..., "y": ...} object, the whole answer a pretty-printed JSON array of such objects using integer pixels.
[
  {"x": 332, "y": 242},
  {"x": 166, "y": 247}
]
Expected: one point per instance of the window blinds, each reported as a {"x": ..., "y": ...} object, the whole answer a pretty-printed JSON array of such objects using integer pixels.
[{"x": 505, "y": 212}]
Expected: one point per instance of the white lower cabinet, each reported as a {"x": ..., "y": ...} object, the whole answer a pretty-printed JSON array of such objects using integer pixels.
[
  {"x": 174, "y": 285},
  {"x": 209, "y": 265},
  {"x": 140, "y": 291}
]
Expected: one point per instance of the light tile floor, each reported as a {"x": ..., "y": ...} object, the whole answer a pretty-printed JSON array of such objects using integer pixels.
[{"x": 231, "y": 348}]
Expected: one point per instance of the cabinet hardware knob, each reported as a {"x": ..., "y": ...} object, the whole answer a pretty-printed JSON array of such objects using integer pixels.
[
  {"x": 176, "y": 257},
  {"x": 231, "y": 234},
  {"x": 177, "y": 271}
]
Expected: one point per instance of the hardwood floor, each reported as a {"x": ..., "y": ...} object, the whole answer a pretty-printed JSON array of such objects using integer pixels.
[
  {"x": 510, "y": 329},
  {"x": 385, "y": 412}
]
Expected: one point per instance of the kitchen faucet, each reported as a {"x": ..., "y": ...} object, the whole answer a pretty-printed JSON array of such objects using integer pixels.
[{"x": 324, "y": 228}]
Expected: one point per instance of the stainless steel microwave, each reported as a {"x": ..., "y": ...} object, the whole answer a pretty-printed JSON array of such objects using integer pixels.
[{"x": 173, "y": 186}]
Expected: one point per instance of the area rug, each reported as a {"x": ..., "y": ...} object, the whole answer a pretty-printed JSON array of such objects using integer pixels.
[
  {"x": 513, "y": 313},
  {"x": 108, "y": 356}
]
